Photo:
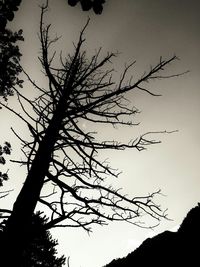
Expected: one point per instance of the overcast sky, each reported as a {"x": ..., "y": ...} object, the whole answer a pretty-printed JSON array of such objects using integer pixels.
[{"x": 142, "y": 30}]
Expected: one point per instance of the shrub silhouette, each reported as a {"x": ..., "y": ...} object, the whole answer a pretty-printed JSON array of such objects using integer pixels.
[{"x": 168, "y": 248}]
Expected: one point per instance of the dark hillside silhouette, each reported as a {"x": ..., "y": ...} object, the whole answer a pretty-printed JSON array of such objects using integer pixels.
[{"x": 179, "y": 248}]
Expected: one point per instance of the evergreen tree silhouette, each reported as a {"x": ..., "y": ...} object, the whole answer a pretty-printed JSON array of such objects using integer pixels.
[
  {"x": 41, "y": 246},
  {"x": 41, "y": 250}
]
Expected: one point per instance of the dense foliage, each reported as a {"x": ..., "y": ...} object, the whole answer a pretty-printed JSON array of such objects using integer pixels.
[
  {"x": 41, "y": 249},
  {"x": 9, "y": 50},
  {"x": 9, "y": 61}
]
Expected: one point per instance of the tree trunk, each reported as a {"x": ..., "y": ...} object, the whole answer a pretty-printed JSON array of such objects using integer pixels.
[{"x": 18, "y": 225}]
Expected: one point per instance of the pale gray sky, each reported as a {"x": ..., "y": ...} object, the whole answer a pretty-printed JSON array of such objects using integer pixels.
[{"x": 143, "y": 30}]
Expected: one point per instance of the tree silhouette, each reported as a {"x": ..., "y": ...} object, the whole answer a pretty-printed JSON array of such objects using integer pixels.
[
  {"x": 62, "y": 155},
  {"x": 41, "y": 247}
]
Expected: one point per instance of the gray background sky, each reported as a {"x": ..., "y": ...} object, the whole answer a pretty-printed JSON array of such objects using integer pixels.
[{"x": 143, "y": 30}]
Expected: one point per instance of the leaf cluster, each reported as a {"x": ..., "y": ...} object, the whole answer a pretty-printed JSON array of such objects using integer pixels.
[
  {"x": 86, "y": 5},
  {"x": 7, "y": 9},
  {"x": 4, "y": 150}
]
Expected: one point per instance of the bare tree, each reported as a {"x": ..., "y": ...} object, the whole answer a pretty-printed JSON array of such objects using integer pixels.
[{"x": 62, "y": 155}]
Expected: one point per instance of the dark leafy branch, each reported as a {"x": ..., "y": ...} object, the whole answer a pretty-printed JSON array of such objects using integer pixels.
[
  {"x": 9, "y": 50},
  {"x": 7, "y": 9}
]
